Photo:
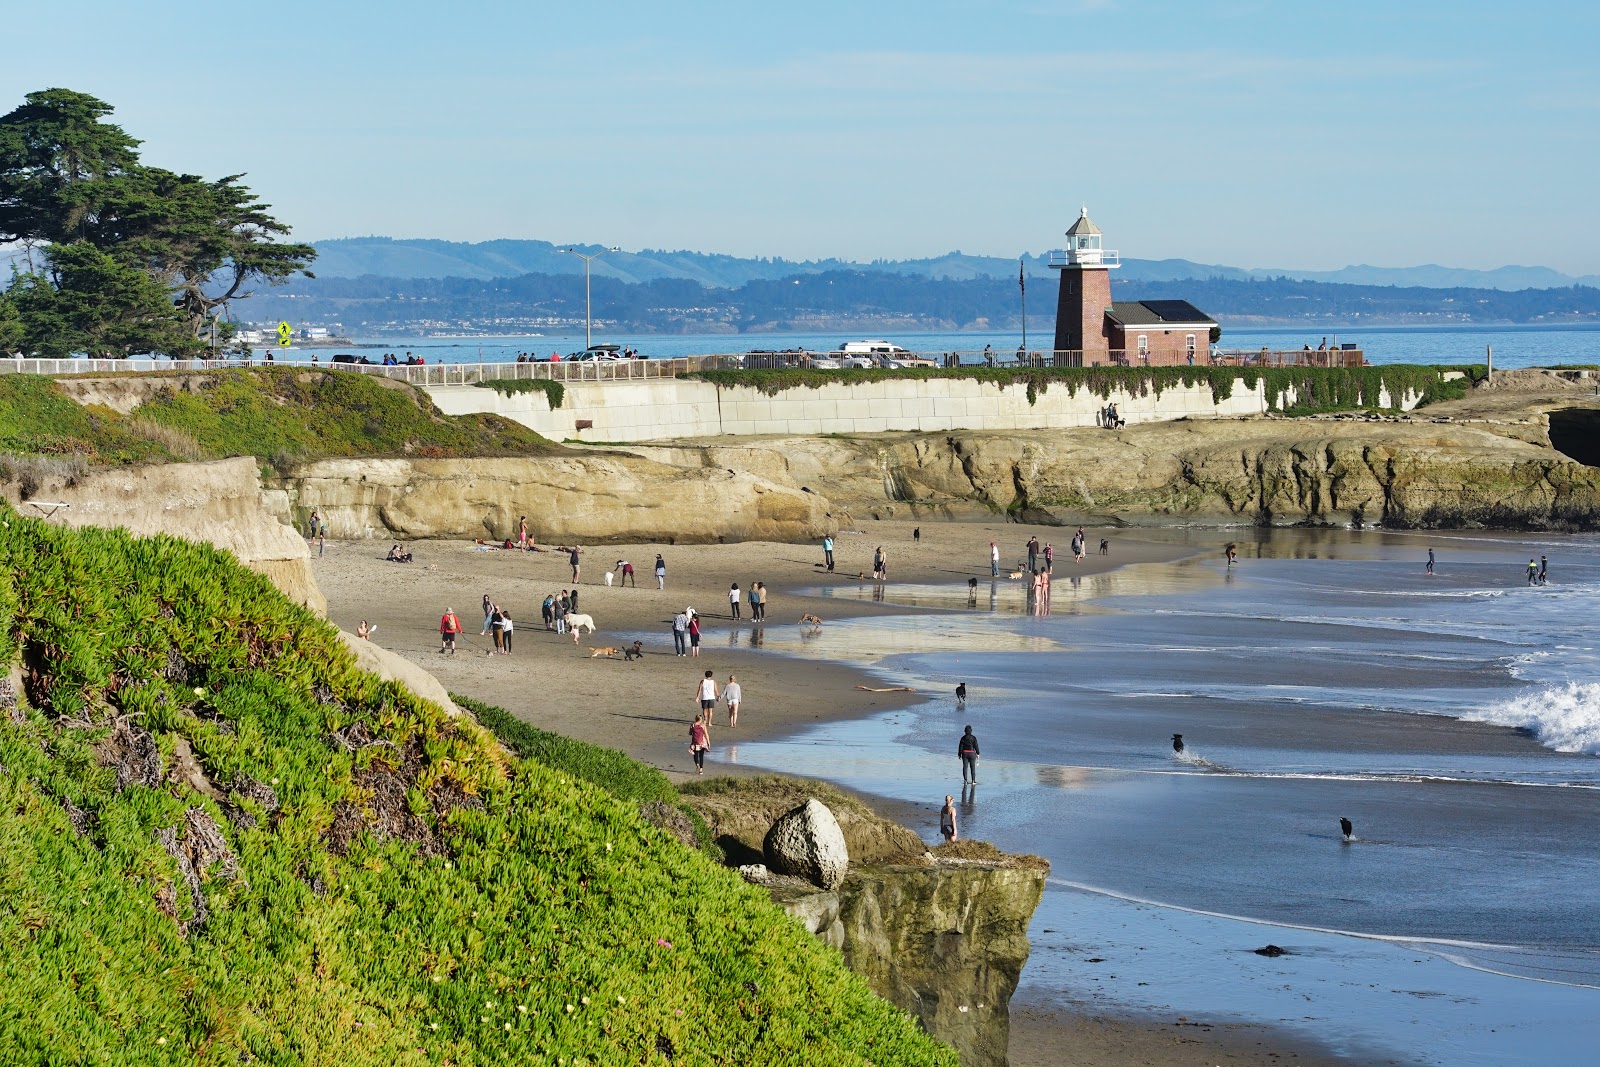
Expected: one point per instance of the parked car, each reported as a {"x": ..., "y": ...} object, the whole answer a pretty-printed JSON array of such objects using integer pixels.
[
  {"x": 599, "y": 354},
  {"x": 817, "y": 362}
]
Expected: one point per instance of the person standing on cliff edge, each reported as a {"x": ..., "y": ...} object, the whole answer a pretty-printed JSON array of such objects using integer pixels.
[{"x": 967, "y": 749}]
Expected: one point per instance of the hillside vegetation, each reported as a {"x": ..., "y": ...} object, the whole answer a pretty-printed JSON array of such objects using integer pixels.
[
  {"x": 277, "y": 414},
  {"x": 220, "y": 842}
]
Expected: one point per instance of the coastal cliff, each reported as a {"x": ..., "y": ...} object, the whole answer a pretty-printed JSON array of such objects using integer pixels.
[
  {"x": 593, "y": 497},
  {"x": 945, "y": 941},
  {"x": 942, "y": 935},
  {"x": 221, "y": 502},
  {"x": 1391, "y": 470}
]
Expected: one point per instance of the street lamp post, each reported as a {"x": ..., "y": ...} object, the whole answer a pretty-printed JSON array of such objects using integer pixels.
[{"x": 588, "y": 317}]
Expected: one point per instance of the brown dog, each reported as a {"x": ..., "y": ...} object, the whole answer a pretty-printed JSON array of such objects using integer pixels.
[
  {"x": 810, "y": 620},
  {"x": 608, "y": 652}
]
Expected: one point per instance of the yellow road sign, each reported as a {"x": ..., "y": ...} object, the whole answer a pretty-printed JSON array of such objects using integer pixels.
[{"x": 285, "y": 334}]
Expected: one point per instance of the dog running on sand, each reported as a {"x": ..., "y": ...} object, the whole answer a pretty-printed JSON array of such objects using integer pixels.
[
  {"x": 609, "y": 652},
  {"x": 634, "y": 651},
  {"x": 577, "y": 622},
  {"x": 810, "y": 620}
]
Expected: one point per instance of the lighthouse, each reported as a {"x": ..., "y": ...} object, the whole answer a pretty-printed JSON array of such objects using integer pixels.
[{"x": 1085, "y": 268}]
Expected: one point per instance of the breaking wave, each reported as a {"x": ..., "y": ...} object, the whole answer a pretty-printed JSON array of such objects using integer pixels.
[{"x": 1565, "y": 718}]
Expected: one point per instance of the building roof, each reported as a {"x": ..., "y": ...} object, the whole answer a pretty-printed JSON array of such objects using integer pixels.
[
  {"x": 1158, "y": 313},
  {"x": 1084, "y": 226}
]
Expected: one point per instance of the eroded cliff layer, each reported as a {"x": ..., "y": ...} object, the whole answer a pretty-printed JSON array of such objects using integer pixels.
[
  {"x": 1398, "y": 472},
  {"x": 593, "y": 497}
]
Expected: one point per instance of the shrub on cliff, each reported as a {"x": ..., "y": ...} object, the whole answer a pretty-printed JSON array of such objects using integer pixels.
[
  {"x": 220, "y": 842},
  {"x": 272, "y": 413}
]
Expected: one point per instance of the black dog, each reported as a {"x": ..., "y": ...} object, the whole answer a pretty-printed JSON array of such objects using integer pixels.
[
  {"x": 961, "y": 692},
  {"x": 1177, "y": 744},
  {"x": 972, "y": 584},
  {"x": 634, "y": 651}
]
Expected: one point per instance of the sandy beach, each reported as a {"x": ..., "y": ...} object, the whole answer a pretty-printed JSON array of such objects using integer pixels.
[{"x": 644, "y": 708}]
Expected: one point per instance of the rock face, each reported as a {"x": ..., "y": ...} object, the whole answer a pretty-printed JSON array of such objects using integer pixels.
[
  {"x": 221, "y": 502},
  {"x": 1399, "y": 473},
  {"x": 595, "y": 498},
  {"x": 807, "y": 843},
  {"x": 946, "y": 942},
  {"x": 396, "y": 668}
]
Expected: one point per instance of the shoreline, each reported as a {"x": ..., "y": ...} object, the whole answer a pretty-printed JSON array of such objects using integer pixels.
[{"x": 644, "y": 708}]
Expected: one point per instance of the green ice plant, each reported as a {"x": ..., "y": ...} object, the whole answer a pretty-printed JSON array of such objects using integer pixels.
[{"x": 396, "y": 886}]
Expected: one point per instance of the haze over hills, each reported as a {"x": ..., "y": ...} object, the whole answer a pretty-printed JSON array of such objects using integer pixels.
[{"x": 389, "y": 257}]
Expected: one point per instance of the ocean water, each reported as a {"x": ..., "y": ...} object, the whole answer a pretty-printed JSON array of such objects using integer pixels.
[
  {"x": 1455, "y": 719},
  {"x": 1514, "y": 346}
]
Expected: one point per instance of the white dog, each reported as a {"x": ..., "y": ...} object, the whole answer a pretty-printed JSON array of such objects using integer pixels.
[
  {"x": 608, "y": 579},
  {"x": 578, "y": 622}
]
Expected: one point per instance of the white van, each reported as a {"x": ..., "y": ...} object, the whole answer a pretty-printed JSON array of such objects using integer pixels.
[{"x": 874, "y": 354}]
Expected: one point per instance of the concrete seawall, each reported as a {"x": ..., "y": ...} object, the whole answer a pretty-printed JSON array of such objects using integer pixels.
[{"x": 666, "y": 408}]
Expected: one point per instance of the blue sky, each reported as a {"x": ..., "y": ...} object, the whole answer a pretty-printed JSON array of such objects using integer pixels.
[{"x": 1247, "y": 133}]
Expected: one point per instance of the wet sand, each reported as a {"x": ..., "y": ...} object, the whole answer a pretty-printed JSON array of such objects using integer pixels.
[{"x": 644, "y": 708}]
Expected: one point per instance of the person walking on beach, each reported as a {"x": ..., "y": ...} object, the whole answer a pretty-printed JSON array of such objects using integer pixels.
[
  {"x": 967, "y": 749},
  {"x": 1049, "y": 557},
  {"x": 732, "y": 695},
  {"x": 505, "y": 632},
  {"x": 1430, "y": 561},
  {"x": 449, "y": 626},
  {"x": 706, "y": 693},
  {"x": 734, "y": 596},
  {"x": 680, "y": 634},
  {"x": 491, "y": 625},
  {"x": 1544, "y": 570},
  {"x": 1033, "y": 554},
  {"x": 1233, "y": 553},
  {"x": 313, "y": 526},
  {"x": 827, "y": 551},
  {"x": 994, "y": 560},
  {"x": 880, "y": 565},
  {"x": 699, "y": 741},
  {"x": 522, "y": 533},
  {"x": 1533, "y": 571},
  {"x": 572, "y": 557},
  {"x": 547, "y": 609},
  {"x": 761, "y": 601},
  {"x": 694, "y": 635},
  {"x": 661, "y": 572},
  {"x": 947, "y": 818}
]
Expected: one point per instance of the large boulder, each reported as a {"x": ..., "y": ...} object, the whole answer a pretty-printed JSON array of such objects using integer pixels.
[{"x": 806, "y": 842}]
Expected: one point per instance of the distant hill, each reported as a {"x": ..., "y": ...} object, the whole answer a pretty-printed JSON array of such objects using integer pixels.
[
  {"x": 388, "y": 257},
  {"x": 862, "y": 299}
]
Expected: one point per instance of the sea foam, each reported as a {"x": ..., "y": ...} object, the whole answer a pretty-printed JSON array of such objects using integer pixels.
[{"x": 1565, "y": 718}]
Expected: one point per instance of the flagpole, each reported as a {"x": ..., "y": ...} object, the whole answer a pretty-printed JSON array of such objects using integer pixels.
[{"x": 1022, "y": 284}]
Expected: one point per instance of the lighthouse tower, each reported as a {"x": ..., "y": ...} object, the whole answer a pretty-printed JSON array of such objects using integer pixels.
[{"x": 1085, "y": 269}]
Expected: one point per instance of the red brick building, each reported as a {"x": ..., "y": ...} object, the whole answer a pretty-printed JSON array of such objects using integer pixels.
[{"x": 1151, "y": 333}]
